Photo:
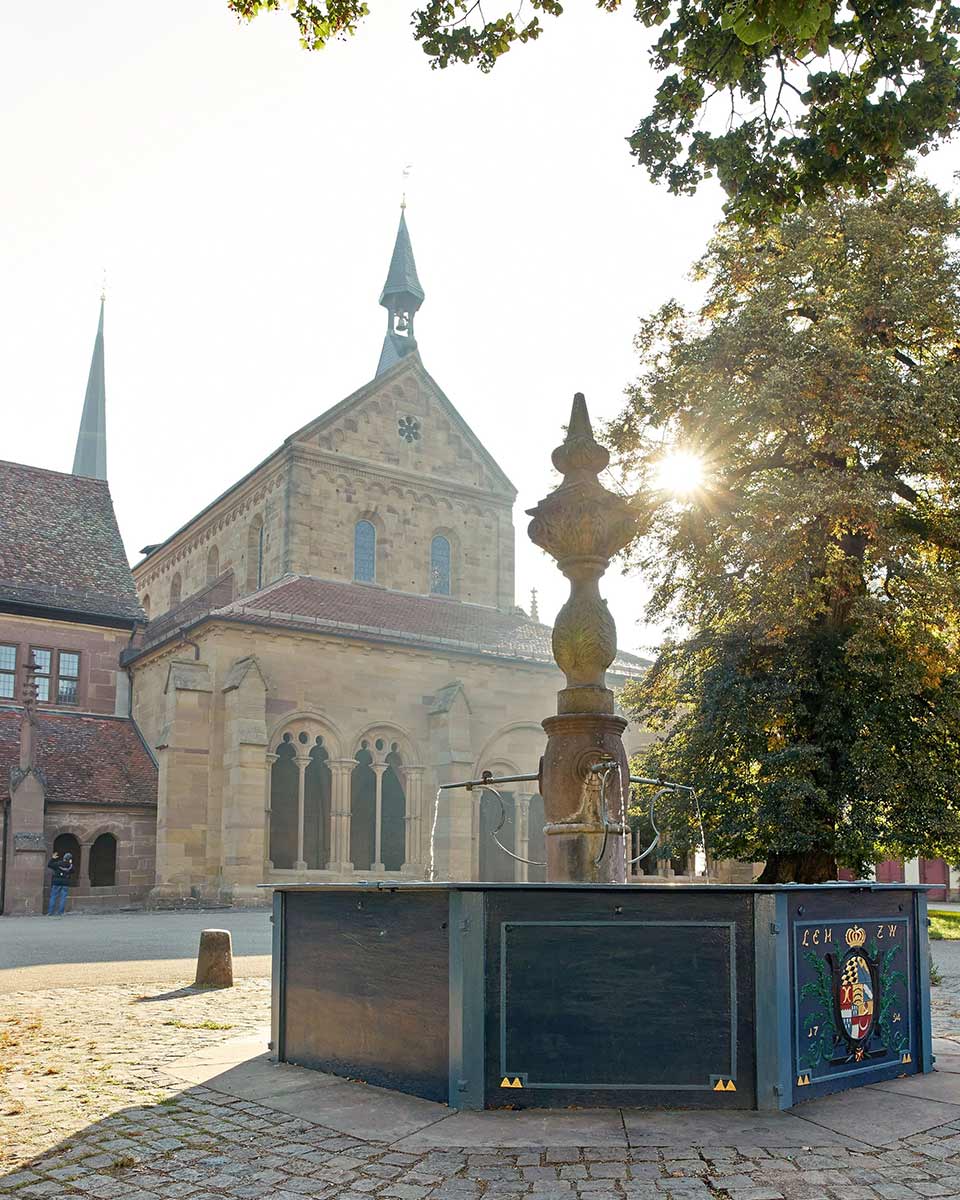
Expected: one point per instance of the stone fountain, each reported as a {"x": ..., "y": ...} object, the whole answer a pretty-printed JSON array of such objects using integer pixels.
[{"x": 586, "y": 990}]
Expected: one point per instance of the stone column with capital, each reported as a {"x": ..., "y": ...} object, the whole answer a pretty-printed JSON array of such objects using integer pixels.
[
  {"x": 303, "y": 761},
  {"x": 413, "y": 856},
  {"x": 379, "y": 769},
  {"x": 342, "y": 772},
  {"x": 582, "y": 525}
]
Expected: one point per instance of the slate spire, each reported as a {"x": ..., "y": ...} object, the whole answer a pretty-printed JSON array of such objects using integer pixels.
[
  {"x": 402, "y": 296},
  {"x": 91, "y": 454}
]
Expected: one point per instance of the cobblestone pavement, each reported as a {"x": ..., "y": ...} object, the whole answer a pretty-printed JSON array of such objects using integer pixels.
[{"x": 85, "y": 1113}]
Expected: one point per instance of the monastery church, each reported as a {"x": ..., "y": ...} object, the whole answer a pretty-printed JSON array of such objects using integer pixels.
[{"x": 321, "y": 647}]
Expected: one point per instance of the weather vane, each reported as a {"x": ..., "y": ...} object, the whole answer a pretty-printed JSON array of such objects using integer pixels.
[{"x": 406, "y": 175}]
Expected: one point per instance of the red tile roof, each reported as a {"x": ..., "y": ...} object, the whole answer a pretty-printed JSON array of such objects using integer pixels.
[
  {"x": 373, "y": 613},
  {"x": 84, "y": 759},
  {"x": 60, "y": 547}
]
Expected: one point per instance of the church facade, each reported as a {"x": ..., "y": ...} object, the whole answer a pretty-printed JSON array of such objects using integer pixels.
[{"x": 334, "y": 638}]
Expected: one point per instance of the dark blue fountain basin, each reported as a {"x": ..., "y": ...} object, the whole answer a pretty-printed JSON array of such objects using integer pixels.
[{"x": 551, "y": 995}]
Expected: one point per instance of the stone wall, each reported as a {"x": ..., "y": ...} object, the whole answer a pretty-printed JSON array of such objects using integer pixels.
[
  {"x": 216, "y": 723},
  {"x": 135, "y": 831},
  {"x": 99, "y": 650},
  {"x": 350, "y": 464}
]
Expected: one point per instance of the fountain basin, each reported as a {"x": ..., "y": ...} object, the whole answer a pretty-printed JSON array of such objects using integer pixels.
[{"x": 551, "y": 995}]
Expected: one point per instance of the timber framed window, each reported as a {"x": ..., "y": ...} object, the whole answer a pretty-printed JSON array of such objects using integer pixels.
[{"x": 8, "y": 671}]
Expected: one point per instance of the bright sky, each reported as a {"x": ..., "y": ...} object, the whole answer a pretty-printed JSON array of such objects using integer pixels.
[{"x": 243, "y": 197}]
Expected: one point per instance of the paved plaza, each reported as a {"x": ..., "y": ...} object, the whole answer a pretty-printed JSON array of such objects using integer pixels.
[{"x": 119, "y": 1090}]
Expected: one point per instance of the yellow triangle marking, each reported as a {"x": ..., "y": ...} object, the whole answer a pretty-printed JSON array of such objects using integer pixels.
[
  {"x": 802, "y": 1080},
  {"x": 505, "y": 1082},
  {"x": 516, "y": 1082},
  {"x": 718, "y": 1086},
  {"x": 906, "y": 1057},
  {"x": 731, "y": 1086}
]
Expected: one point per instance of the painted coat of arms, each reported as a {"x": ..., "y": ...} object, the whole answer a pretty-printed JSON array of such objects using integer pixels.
[{"x": 853, "y": 1001}]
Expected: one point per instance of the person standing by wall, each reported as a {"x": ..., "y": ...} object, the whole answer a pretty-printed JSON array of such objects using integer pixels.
[{"x": 62, "y": 879}]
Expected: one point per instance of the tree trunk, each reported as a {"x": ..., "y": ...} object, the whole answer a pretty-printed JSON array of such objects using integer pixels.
[{"x": 813, "y": 866}]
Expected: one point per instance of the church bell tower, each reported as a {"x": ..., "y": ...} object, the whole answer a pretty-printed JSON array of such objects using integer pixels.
[{"x": 402, "y": 296}]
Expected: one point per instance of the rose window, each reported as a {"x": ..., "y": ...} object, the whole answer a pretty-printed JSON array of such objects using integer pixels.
[{"x": 409, "y": 429}]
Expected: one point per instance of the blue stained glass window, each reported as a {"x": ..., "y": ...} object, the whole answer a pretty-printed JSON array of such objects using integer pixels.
[
  {"x": 365, "y": 552},
  {"x": 440, "y": 566}
]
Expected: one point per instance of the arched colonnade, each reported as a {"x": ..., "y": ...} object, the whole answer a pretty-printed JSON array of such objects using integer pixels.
[{"x": 330, "y": 810}]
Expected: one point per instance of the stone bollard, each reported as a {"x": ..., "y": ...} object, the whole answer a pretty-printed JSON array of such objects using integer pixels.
[{"x": 215, "y": 959}]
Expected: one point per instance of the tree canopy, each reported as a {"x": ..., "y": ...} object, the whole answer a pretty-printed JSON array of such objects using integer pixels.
[
  {"x": 810, "y": 688},
  {"x": 780, "y": 100}
]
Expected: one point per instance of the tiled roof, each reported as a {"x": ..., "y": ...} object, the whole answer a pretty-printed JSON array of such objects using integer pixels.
[
  {"x": 377, "y": 614},
  {"x": 213, "y": 595},
  {"x": 60, "y": 547},
  {"x": 84, "y": 759}
]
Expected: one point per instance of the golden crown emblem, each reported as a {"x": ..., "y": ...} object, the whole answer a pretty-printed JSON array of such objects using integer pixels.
[{"x": 856, "y": 936}]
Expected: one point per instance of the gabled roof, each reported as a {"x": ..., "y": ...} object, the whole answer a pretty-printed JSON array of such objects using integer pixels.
[
  {"x": 60, "y": 548},
  {"x": 411, "y": 362},
  {"x": 84, "y": 759},
  {"x": 365, "y": 612}
]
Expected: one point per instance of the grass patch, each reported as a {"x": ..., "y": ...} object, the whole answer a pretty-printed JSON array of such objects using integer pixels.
[
  {"x": 197, "y": 1025},
  {"x": 944, "y": 926}
]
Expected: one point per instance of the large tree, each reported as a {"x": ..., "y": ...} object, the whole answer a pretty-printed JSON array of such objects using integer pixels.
[
  {"x": 779, "y": 99},
  {"x": 811, "y": 687}
]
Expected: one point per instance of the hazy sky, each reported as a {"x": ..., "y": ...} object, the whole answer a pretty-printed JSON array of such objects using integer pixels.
[{"x": 243, "y": 197}]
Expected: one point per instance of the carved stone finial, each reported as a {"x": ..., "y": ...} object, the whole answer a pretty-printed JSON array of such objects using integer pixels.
[
  {"x": 582, "y": 525},
  {"x": 30, "y": 688}
]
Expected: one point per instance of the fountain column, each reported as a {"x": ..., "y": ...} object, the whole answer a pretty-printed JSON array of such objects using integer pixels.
[{"x": 582, "y": 525}]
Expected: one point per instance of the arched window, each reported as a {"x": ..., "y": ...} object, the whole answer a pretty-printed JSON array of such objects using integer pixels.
[
  {"x": 213, "y": 564},
  {"x": 440, "y": 566},
  {"x": 393, "y": 810},
  {"x": 176, "y": 586},
  {"x": 284, "y": 805},
  {"x": 65, "y": 843},
  {"x": 103, "y": 861},
  {"x": 317, "y": 786},
  {"x": 376, "y": 792},
  {"x": 365, "y": 552},
  {"x": 145, "y": 605},
  {"x": 255, "y": 554},
  {"x": 363, "y": 810}
]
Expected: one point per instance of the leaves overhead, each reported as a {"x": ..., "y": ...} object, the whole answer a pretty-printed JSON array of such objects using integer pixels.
[
  {"x": 780, "y": 100},
  {"x": 811, "y": 688}
]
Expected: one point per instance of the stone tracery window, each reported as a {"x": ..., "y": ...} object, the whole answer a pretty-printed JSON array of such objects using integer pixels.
[
  {"x": 317, "y": 781},
  {"x": 300, "y": 795},
  {"x": 284, "y": 793},
  {"x": 440, "y": 566},
  {"x": 378, "y": 807},
  {"x": 365, "y": 552}
]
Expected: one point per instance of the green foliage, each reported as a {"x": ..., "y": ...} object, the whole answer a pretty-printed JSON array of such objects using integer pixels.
[
  {"x": 820, "y": 1020},
  {"x": 781, "y": 100},
  {"x": 810, "y": 687}
]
